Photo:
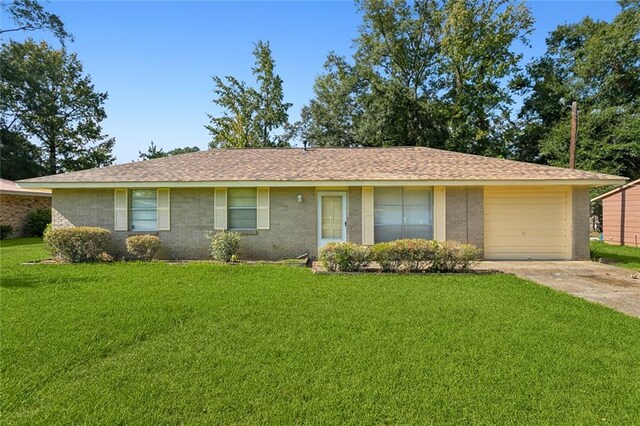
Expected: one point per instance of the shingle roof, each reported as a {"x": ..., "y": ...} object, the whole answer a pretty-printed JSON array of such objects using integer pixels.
[
  {"x": 320, "y": 164},
  {"x": 9, "y": 187}
]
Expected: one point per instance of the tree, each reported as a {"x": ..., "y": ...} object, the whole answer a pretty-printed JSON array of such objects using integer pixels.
[
  {"x": 45, "y": 96},
  {"x": 19, "y": 158},
  {"x": 154, "y": 152},
  {"x": 426, "y": 72},
  {"x": 251, "y": 116},
  {"x": 29, "y": 15},
  {"x": 597, "y": 64}
]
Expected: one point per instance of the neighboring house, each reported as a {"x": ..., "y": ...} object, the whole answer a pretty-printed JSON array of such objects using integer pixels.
[
  {"x": 621, "y": 214},
  {"x": 291, "y": 201},
  {"x": 17, "y": 202}
]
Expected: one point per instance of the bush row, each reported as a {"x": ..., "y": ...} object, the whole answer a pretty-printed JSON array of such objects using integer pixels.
[
  {"x": 91, "y": 244},
  {"x": 409, "y": 255}
]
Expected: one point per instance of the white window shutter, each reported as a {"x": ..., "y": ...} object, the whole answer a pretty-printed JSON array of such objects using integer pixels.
[
  {"x": 440, "y": 213},
  {"x": 367, "y": 215},
  {"x": 220, "y": 208},
  {"x": 164, "y": 209},
  {"x": 120, "y": 209},
  {"x": 262, "y": 208}
]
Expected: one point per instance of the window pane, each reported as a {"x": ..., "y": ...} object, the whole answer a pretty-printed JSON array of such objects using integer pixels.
[
  {"x": 388, "y": 215},
  {"x": 242, "y": 197},
  {"x": 242, "y": 218},
  {"x": 142, "y": 198},
  {"x": 418, "y": 231},
  {"x": 387, "y": 233},
  {"x": 387, "y": 197},
  {"x": 143, "y": 215}
]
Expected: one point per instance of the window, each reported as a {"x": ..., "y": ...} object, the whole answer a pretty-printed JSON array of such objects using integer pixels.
[
  {"x": 403, "y": 213},
  {"x": 144, "y": 210},
  {"x": 242, "y": 208}
]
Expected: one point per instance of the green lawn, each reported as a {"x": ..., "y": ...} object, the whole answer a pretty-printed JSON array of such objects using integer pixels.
[
  {"x": 199, "y": 343},
  {"x": 625, "y": 256}
]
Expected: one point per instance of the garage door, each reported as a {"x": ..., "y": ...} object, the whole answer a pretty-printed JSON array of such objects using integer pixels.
[{"x": 527, "y": 223}]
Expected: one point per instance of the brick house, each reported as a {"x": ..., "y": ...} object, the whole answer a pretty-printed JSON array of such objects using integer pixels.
[
  {"x": 621, "y": 215},
  {"x": 17, "y": 202},
  {"x": 291, "y": 201}
]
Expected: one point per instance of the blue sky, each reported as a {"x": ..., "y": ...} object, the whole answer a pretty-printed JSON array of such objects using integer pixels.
[{"x": 156, "y": 58}]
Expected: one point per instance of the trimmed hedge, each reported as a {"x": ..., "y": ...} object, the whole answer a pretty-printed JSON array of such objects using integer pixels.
[
  {"x": 144, "y": 247},
  {"x": 79, "y": 244},
  {"x": 224, "y": 245},
  {"x": 407, "y": 255},
  {"x": 345, "y": 257}
]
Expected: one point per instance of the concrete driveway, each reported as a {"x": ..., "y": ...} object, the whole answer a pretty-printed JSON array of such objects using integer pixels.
[{"x": 608, "y": 285}]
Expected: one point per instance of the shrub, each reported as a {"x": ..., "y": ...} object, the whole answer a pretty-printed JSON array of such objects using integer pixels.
[
  {"x": 224, "y": 245},
  {"x": 5, "y": 231},
  {"x": 76, "y": 245},
  {"x": 454, "y": 256},
  {"x": 409, "y": 255},
  {"x": 144, "y": 247},
  {"x": 37, "y": 221},
  {"x": 345, "y": 257}
]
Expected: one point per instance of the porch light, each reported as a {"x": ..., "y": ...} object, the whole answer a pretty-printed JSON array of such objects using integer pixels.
[{"x": 299, "y": 198}]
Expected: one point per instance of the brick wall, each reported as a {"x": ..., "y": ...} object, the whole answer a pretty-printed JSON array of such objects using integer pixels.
[
  {"x": 580, "y": 223},
  {"x": 465, "y": 215},
  {"x": 14, "y": 210},
  {"x": 293, "y": 225},
  {"x": 354, "y": 215}
]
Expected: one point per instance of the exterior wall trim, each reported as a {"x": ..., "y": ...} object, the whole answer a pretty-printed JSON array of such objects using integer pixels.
[{"x": 326, "y": 184}]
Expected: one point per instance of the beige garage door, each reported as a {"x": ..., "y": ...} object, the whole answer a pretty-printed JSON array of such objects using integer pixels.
[{"x": 527, "y": 223}]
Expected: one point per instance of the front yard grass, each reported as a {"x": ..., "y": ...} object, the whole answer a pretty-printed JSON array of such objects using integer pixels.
[
  {"x": 158, "y": 343},
  {"x": 624, "y": 256}
]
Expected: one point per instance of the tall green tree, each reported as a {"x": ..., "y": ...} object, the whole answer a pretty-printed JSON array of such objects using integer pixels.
[
  {"x": 29, "y": 15},
  {"x": 154, "y": 152},
  {"x": 597, "y": 64},
  {"x": 19, "y": 158},
  {"x": 45, "y": 95},
  {"x": 425, "y": 72},
  {"x": 251, "y": 116}
]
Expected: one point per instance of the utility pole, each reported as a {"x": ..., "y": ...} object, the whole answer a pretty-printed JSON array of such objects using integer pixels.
[{"x": 574, "y": 135}]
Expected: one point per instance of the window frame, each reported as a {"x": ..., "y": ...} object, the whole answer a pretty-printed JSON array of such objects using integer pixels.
[
  {"x": 231, "y": 208},
  {"x": 403, "y": 226},
  {"x": 131, "y": 209}
]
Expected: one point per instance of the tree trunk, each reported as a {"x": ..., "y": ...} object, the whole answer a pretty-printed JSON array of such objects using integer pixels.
[{"x": 52, "y": 157}]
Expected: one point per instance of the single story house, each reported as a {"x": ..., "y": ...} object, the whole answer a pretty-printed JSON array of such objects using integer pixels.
[
  {"x": 291, "y": 201},
  {"x": 17, "y": 202},
  {"x": 621, "y": 214}
]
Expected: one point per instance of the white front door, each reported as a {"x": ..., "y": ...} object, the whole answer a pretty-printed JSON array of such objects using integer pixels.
[{"x": 332, "y": 217}]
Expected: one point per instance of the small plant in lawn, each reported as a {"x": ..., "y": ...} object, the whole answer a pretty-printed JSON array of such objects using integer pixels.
[
  {"x": 143, "y": 247},
  {"x": 224, "y": 245},
  {"x": 345, "y": 257},
  {"x": 5, "y": 231},
  {"x": 37, "y": 221},
  {"x": 79, "y": 244}
]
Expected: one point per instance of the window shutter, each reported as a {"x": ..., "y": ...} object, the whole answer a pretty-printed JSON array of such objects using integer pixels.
[
  {"x": 367, "y": 215},
  {"x": 440, "y": 213},
  {"x": 220, "y": 208},
  {"x": 262, "y": 208},
  {"x": 164, "y": 209},
  {"x": 120, "y": 209}
]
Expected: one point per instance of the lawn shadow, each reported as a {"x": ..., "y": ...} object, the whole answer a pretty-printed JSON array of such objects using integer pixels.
[
  {"x": 17, "y": 242},
  {"x": 32, "y": 282}
]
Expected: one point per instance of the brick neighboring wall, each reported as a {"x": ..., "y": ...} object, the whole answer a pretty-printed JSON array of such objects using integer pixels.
[
  {"x": 465, "y": 215},
  {"x": 580, "y": 224},
  {"x": 14, "y": 210}
]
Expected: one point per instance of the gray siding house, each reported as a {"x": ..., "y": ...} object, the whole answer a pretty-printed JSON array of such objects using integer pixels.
[{"x": 290, "y": 201}]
